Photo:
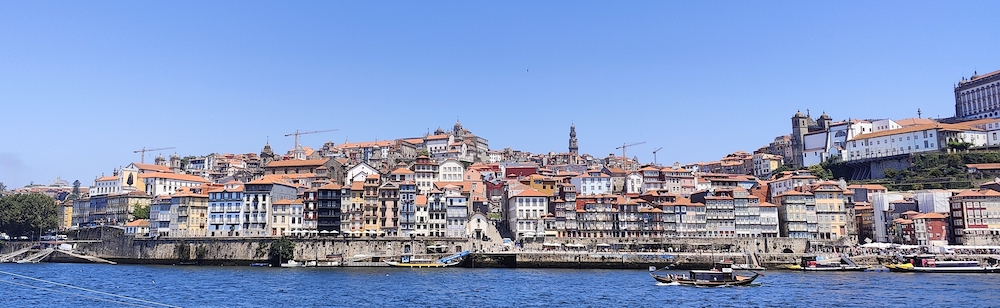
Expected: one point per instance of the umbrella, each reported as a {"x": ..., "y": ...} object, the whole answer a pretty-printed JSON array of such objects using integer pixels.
[
  {"x": 314, "y": 231},
  {"x": 334, "y": 232}
]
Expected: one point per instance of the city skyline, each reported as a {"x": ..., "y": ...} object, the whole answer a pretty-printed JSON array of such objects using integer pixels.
[{"x": 86, "y": 84}]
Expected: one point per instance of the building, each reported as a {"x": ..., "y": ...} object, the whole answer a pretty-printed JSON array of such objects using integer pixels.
[
  {"x": 259, "y": 194},
  {"x": 160, "y": 183},
  {"x": 525, "y": 207},
  {"x": 912, "y": 139},
  {"x": 121, "y": 207},
  {"x": 389, "y": 209},
  {"x": 834, "y": 217},
  {"x": 159, "y": 216},
  {"x": 226, "y": 211},
  {"x": 329, "y": 213},
  {"x": 451, "y": 170},
  {"x": 764, "y": 165},
  {"x": 189, "y": 213},
  {"x": 593, "y": 182},
  {"x": 973, "y": 217},
  {"x": 978, "y": 97},
  {"x": 797, "y": 214},
  {"x": 425, "y": 174},
  {"x": 137, "y": 228},
  {"x": 931, "y": 229},
  {"x": 457, "y": 210}
]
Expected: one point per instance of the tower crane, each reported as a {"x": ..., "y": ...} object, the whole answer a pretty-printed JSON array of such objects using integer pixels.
[
  {"x": 144, "y": 149},
  {"x": 654, "y": 154},
  {"x": 297, "y": 133},
  {"x": 626, "y": 145}
]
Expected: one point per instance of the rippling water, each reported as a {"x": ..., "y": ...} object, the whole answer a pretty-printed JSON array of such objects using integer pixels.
[{"x": 192, "y": 286}]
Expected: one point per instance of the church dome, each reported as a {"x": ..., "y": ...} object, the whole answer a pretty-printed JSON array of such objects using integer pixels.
[{"x": 824, "y": 116}]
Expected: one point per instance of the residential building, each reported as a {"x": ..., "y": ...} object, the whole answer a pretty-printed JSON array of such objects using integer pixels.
[
  {"x": 259, "y": 194},
  {"x": 931, "y": 229},
  {"x": 593, "y": 182},
  {"x": 389, "y": 209},
  {"x": 160, "y": 183},
  {"x": 457, "y": 211},
  {"x": 160, "y": 216},
  {"x": 437, "y": 212},
  {"x": 525, "y": 207},
  {"x": 451, "y": 170},
  {"x": 425, "y": 174},
  {"x": 974, "y": 218},
  {"x": 329, "y": 209},
  {"x": 764, "y": 165},
  {"x": 189, "y": 212},
  {"x": 912, "y": 139},
  {"x": 137, "y": 228},
  {"x": 797, "y": 214},
  {"x": 225, "y": 211},
  {"x": 121, "y": 206}
]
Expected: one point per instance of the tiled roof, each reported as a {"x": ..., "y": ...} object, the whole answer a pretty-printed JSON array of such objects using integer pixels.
[
  {"x": 173, "y": 176},
  {"x": 917, "y": 128},
  {"x": 297, "y": 163}
]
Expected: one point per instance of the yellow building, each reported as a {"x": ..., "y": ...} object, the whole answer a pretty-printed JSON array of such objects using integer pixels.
[
  {"x": 831, "y": 210},
  {"x": 121, "y": 207},
  {"x": 66, "y": 215},
  {"x": 357, "y": 213},
  {"x": 543, "y": 184},
  {"x": 371, "y": 226},
  {"x": 191, "y": 210}
]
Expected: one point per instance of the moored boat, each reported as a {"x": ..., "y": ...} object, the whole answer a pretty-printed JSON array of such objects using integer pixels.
[
  {"x": 928, "y": 264},
  {"x": 827, "y": 264},
  {"x": 409, "y": 261},
  {"x": 720, "y": 275}
]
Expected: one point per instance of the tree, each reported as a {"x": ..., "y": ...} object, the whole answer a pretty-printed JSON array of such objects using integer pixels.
[
  {"x": 423, "y": 152},
  {"x": 281, "y": 250},
  {"x": 76, "y": 190},
  {"x": 140, "y": 211},
  {"x": 820, "y": 172},
  {"x": 3, "y": 187},
  {"x": 23, "y": 214}
]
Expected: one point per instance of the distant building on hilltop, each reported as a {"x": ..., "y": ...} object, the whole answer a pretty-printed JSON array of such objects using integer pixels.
[{"x": 978, "y": 97}]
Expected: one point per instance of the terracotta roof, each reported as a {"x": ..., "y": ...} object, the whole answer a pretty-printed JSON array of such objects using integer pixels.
[
  {"x": 414, "y": 141},
  {"x": 983, "y": 166},
  {"x": 438, "y": 137},
  {"x": 930, "y": 216},
  {"x": 867, "y": 186},
  {"x": 402, "y": 171},
  {"x": 173, "y": 176},
  {"x": 331, "y": 186},
  {"x": 977, "y": 77},
  {"x": 157, "y": 168},
  {"x": 358, "y": 185},
  {"x": 421, "y": 199},
  {"x": 107, "y": 178},
  {"x": 917, "y": 128},
  {"x": 766, "y": 204},
  {"x": 297, "y": 163},
  {"x": 138, "y": 223},
  {"x": 915, "y": 121},
  {"x": 283, "y": 202},
  {"x": 366, "y": 144},
  {"x": 269, "y": 179},
  {"x": 530, "y": 192}
]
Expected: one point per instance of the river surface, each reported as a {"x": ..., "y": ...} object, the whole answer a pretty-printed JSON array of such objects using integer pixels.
[{"x": 203, "y": 286}]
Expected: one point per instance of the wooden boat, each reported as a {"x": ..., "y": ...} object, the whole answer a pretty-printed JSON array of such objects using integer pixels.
[
  {"x": 721, "y": 275},
  {"x": 928, "y": 264},
  {"x": 832, "y": 264}
]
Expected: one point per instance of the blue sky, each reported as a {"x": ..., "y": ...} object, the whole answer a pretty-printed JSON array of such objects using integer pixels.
[{"x": 83, "y": 84}]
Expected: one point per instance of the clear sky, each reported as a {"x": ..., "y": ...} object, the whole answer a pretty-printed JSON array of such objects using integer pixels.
[{"x": 84, "y": 83}]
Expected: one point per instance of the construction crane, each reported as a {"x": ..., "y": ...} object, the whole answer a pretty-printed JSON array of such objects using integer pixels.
[
  {"x": 654, "y": 154},
  {"x": 297, "y": 133},
  {"x": 144, "y": 149},
  {"x": 626, "y": 146}
]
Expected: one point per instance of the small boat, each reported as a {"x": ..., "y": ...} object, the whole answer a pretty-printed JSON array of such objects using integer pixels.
[
  {"x": 827, "y": 264},
  {"x": 928, "y": 264},
  {"x": 293, "y": 263},
  {"x": 409, "y": 261},
  {"x": 261, "y": 264},
  {"x": 720, "y": 275}
]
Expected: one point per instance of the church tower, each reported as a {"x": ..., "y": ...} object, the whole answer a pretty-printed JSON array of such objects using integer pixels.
[
  {"x": 573, "y": 147},
  {"x": 266, "y": 155},
  {"x": 800, "y": 127},
  {"x": 175, "y": 163},
  {"x": 160, "y": 161}
]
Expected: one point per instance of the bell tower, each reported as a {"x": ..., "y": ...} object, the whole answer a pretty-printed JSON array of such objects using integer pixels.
[{"x": 573, "y": 147}]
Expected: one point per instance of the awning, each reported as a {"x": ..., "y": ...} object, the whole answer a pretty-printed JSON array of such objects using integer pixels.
[
  {"x": 575, "y": 245},
  {"x": 551, "y": 245},
  {"x": 603, "y": 245}
]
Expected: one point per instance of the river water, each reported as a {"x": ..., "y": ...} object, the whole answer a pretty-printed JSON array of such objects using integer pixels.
[{"x": 202, "y": 286}]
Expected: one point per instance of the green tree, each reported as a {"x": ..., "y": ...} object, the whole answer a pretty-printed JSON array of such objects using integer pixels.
[
  {"x": 24, "y": 214},
  {"x": 140, "y": 211},
  {"x": 76, "y": 191},
  {"x": 3, "y": 187},
  {"x": 281, "y": 250},
  {"x": 423, "y": 152},
  {"x": 820, "y": 172}
]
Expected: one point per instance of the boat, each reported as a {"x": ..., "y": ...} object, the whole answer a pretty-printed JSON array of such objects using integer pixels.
[
  {"x": 293, "y": 263},
  {"x": 827, "y": 264},
  {"x": 260, "y": 264},
  {"x": 928, "y": 264},
  {"x": 720, "y": 275},
  {"x": 409, "y": 261}
]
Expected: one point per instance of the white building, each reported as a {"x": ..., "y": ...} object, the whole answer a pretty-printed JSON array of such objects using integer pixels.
[
  {"x": 978, "y": 97},
  {"x": 991, "y": 126},
  {"x": 451, "y": 170},
  {"x": 525, "y": 208},
  {"x": 912, "y": 139},
  {"x": 633, "y": 183},
  {"x": 457, "y": 211},
  {"x": 159, "y": 183},
  {"x": 592, "y": 183},
  {"x": 358, "y": 173}
]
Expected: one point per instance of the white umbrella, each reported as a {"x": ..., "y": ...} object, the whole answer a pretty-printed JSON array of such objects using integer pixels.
[
  {"x": 325, "y": 232},
  {"x": 286, "y": 232},
  {"x": 314, "y": 231},
  {"x": 334, "y": 232}
]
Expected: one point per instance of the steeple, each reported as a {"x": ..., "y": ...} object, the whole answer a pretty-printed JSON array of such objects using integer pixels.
[{"x": 573, "y": 147}]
